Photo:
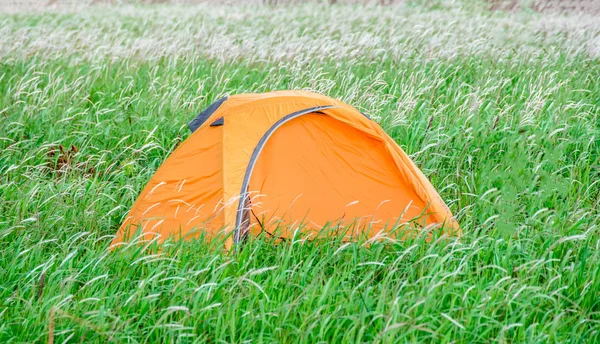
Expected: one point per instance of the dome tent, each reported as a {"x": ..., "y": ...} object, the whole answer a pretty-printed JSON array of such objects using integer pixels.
[{"x": 283, "y": 161}]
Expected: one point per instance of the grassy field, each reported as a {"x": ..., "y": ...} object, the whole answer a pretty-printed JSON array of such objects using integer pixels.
[{"x": 500, "y": 110}]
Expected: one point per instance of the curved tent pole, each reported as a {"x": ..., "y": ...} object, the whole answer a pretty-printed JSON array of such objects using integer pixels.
[{"x": 254, "y": 157}]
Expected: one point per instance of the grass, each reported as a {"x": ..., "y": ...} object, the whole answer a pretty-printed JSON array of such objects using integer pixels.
[{"x": 501, "y": 111}]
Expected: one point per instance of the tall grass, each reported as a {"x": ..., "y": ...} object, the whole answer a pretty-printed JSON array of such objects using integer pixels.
[{"x": 499, "y": 110}]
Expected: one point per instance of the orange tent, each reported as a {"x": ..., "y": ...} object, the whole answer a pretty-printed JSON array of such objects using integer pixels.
[{"x": 280, "y": 162}]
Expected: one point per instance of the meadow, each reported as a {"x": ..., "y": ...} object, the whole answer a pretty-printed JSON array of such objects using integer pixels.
[{"x": 501, "y": 110}]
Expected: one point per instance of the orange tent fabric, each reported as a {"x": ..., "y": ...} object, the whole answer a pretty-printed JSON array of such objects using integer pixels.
[{"x": 280, "y": 162}]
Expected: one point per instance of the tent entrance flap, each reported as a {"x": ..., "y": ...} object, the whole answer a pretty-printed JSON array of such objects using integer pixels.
[
  {"x": 317, "y": 172},
  {"x": 252, "y": 162}
]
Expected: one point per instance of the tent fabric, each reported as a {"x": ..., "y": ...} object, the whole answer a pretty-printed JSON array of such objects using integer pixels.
[{"x": 279, "y": 162}]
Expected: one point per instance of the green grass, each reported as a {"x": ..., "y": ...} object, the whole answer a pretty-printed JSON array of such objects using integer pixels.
[{"x": 500, "y": 112}]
